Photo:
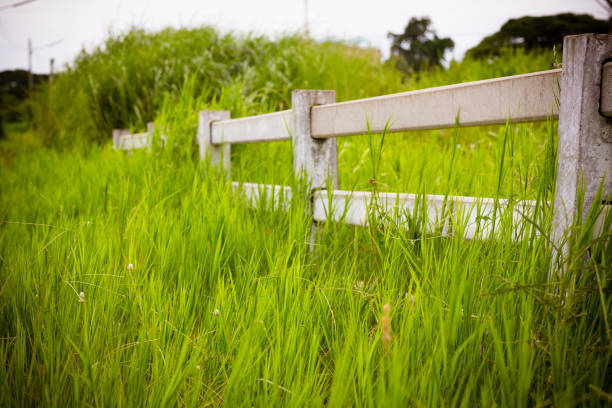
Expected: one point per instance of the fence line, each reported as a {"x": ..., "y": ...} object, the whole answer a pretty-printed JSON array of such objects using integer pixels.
[
  {"x": 315, "y": 121},
  {"x": 123, "y": 139},
  {"x": 520, "y": 98},
  {"x": 441, "y": 213}
]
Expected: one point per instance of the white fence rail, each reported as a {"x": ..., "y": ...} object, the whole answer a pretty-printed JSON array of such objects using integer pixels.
[
  {"x": 315, "y": 121},
  {"x": 123, "y": 139},
  {"x": 262, "y": 128},
  {"x": 255, "y": 194},
  {"x": 441, "y": 214},
  {"x": 520, "y": 98}
]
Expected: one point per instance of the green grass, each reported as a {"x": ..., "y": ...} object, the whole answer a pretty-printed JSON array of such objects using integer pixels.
[{"x": 225, "y": 305}]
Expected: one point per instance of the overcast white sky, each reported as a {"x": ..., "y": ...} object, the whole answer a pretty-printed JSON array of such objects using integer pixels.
[{"x": 85, "y": 23}]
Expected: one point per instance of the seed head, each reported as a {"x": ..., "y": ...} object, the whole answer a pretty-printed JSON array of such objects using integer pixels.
[{"x": 358, "y": 286}]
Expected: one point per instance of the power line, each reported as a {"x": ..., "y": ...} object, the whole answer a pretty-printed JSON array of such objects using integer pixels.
[
  {"x": 51, "y": 44},
  {"x": 30, "y": 52},
  {"x": 15, "y": 5},
  {"x": 306, "y": 30}
]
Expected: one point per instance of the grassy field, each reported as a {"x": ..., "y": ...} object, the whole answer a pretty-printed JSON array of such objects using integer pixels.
[{"x": 142, "y": 280}]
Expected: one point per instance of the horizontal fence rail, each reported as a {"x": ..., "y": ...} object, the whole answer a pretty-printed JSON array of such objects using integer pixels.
[
  {"x": 134, "y": 141},
  {"x": 123, "y": 139},
  {"x": 440, "y": 214},
  {"x": 520, "y": 98},
  {"x": 253, "y": 129},
  {"x": 473, "y": 215},
  {"x": 256, "y": 194}
]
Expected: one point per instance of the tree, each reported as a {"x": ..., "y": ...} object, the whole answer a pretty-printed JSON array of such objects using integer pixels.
[
  {"x": 418, "y": 47},
  {"x": 537, "y": 32}
]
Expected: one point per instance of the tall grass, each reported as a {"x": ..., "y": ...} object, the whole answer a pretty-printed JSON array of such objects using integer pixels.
[
  {"x": 124, "y": 82},
  {"x": 225, "y": 305},
  {"x": 190, "y": 297}
]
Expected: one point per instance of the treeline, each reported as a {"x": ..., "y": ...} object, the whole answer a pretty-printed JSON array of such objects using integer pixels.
[
  {"x": 419, "y": 48},
  {"x": 13, "y": 91}
]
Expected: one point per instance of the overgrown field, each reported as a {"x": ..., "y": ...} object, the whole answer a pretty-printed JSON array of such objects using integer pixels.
[{"x": 142, "y": 280}]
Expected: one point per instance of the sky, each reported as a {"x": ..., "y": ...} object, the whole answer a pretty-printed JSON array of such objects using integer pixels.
[{"x": 78, "y": 24}]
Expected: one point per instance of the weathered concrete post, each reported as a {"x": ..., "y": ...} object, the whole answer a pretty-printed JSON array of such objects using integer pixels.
[
  {"x": 219, "y": 154},
  {"x": 116, "y": 139},
  {"x": 150, "y": 130},
  {"x": 316, "y": 160},
  {"x": 585, "y": 135}
]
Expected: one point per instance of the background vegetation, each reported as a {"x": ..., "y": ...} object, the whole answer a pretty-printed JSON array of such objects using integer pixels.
[
  {"x": 419, "y": 46},
  {"x": 125, "y": 82},
  {"x": 142, "y": 279},
  {"x": 531, "y": 33}
]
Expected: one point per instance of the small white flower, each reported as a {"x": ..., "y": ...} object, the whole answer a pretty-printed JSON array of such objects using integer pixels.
[
  {"x": 82, "y": 297},
  {"x": 130, "y": 267},
  {"x": 198, "y": 367},
  {"x": 88, "y": 223},
  {"x": 216, "y": 312},
  {"x": 358, "y": 285}
]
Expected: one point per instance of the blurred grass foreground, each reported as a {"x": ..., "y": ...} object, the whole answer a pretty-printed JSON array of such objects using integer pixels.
[{"x": 142, "y": 280}]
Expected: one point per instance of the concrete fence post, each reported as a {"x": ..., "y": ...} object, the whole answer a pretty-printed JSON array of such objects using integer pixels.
[
  {"x": 116, "y": 138},
  {"x": 219, "y": 154},
  {"x": 316, "y": 160},
  {"x": 150, "y": 130},
  {"x": 585, "y": 135}
]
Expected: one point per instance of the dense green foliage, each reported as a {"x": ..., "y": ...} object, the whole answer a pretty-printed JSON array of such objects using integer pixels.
[
  {"x": 537, "y": 33},
  {"x": 124, "y": 83},
  {"x": 192, "y": 298},
  {"x": 13, "y": 93}
]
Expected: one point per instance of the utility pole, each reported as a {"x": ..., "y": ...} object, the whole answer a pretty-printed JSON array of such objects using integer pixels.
[
  {"x": 30, "y": 52},
  {"x": 51, "y": 62},
  {"x": 30, "y": 78},
  {"x": 306, "y": 31}
]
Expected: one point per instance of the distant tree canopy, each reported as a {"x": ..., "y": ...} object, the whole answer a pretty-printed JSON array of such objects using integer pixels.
[
  {"x": 13, "y": 91},
  {"x": 418, "y": 47},
  {"x": 535, "y": 32}
]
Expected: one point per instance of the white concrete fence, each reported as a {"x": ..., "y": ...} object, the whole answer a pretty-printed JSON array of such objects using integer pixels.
[{"x": 315, "y": 122}]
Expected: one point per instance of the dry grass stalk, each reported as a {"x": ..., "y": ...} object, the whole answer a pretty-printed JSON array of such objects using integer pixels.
[{"x": 386, "y": 327}]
